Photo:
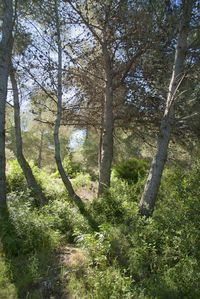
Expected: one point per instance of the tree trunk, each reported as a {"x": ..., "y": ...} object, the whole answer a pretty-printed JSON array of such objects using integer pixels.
[
  {"x": 107, "y": 139},
  {"x": 76, "y": 199},
  {"x": 100, "y": 147},
  {"x": 61, "y": 170},
  {"x": 148, "y": 198},
  {"x": 31, "y": 181},
  {"x": 5, "y": 54}
]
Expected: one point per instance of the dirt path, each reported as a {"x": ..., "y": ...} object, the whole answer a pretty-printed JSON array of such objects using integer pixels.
[
  {"x": 67, "y": 259},
  {"x": 88, "y": 194}
]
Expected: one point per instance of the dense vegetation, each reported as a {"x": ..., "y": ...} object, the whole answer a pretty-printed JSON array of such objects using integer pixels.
[
  {"x": 129, "y": 257},
  {"x": 99, "y": 149}
]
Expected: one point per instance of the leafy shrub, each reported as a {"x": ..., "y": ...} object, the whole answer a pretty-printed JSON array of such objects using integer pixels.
[
  {"x": 65, "y": 218},
  {"x": 97, "y": 244},
  {"x": 102, "y": 278},
  {"x": 82, "y": 180},
  {"x": 101, "y": 284},
  {"x": 130, "y": 256},
  {"x": 16, "y": 182},
  {"x": 14, "y": 177},
  {"x": 161, "y": 253},
  {"x": 26, "y": 230},
  {"x": 107, "y": 209},
  {"x": 131, "y": 170},
  {"x": 7, "y": 288},
  {"x": 165, "y": 250},
  {"x": 118, "y": 205}
]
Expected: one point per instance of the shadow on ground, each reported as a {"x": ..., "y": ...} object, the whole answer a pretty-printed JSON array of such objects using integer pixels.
[{"x": 42, "y": 274}]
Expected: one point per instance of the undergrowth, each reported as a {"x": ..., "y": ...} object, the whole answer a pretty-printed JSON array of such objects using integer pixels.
[{"x": 129, "y": 257}]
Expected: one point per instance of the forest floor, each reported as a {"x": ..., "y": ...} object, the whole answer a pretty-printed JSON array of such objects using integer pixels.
[
  {"x": 88, "y": 194},
  {"x": 66, "y": 261}
]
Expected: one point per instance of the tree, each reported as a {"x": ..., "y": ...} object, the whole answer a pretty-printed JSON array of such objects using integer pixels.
[
  {"x": 59, "y": 109},
  {"x": 77, "y": 200},
  {"x": 148, "y": 198},
  {"x": 111, "y": 44},
  {"x": 31, "y": 181},
  {"x": 5, "y": 54},
  {"x": 42, "y": 110}
]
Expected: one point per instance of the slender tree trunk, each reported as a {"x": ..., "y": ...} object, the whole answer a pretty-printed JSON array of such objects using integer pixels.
[
  {"x": 76, "y": 199},
  {"x": 61, "y": 170},
  {"x": 5, "y": 54},
  {"x": 101, "y": 130},
  {"x": 148, "y": 198},
  {"x": 100, "y": 146},
  {"x": 107, "y": 139},
  {"x": 31, "y": 181}
]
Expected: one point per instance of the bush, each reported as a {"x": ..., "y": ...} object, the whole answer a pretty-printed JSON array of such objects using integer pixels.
[
  {"x": 7, "y": 288},
  {"x": 131, "y": 170},
  {"x": 102, "y": 278},
  {"x": 14, "y": 177},
  {"x": 130, "y": 256},
  {"x": 82, "y": 180},
  {"x": 161, "y": 253},
  {"x": 26, "y": 230},
  {"x": 16, "y": 182},
  {"x": 118, "y": 205},
  {"x": 65, "y": 218},
  {"x": 165, "y": 250},
  {"x": 109, "y": 283}
]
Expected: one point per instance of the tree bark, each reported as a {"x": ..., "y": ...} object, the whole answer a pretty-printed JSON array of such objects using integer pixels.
[
  {"x": 149, "y": 195},
  {"x": 100, "y": 146},
  {"x": 5, "y": 54},
  {"x": 107, "y": 138},
  {"x": 31, "y": 181}
]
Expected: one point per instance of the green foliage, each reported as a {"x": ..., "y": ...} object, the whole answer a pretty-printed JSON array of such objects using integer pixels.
[
  {"x": 90, "y": 152},
  {"x": 26, "y": 230},
  {"x": 71, "y": 168},
  {"x": 82, "y": 180},
  {"x": 131, "y": 170},
  {"x": 98, "y": 245},
  {"x": 119, "y": 204},
  {"x": 30, "y": 236},
  {"x": 7, "y": 288},
  {"x": 129, "y": 257},
  {"x": 15, "y": 177},
  {"x": 102, "y": 284},
  {"x": 16, "y": 182},
  {"x": 64, "y": 217},
  {"x": 28, "y": 242},
  {"x": 164, "y": 253},
  {"x": 108, "y": 209},
  {"x": 103, "y": 278},
  {"x": 161, "y": 253}
]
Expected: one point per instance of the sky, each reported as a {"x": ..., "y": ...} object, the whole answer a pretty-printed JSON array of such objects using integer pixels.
[{"x": 76, "y": 139}]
